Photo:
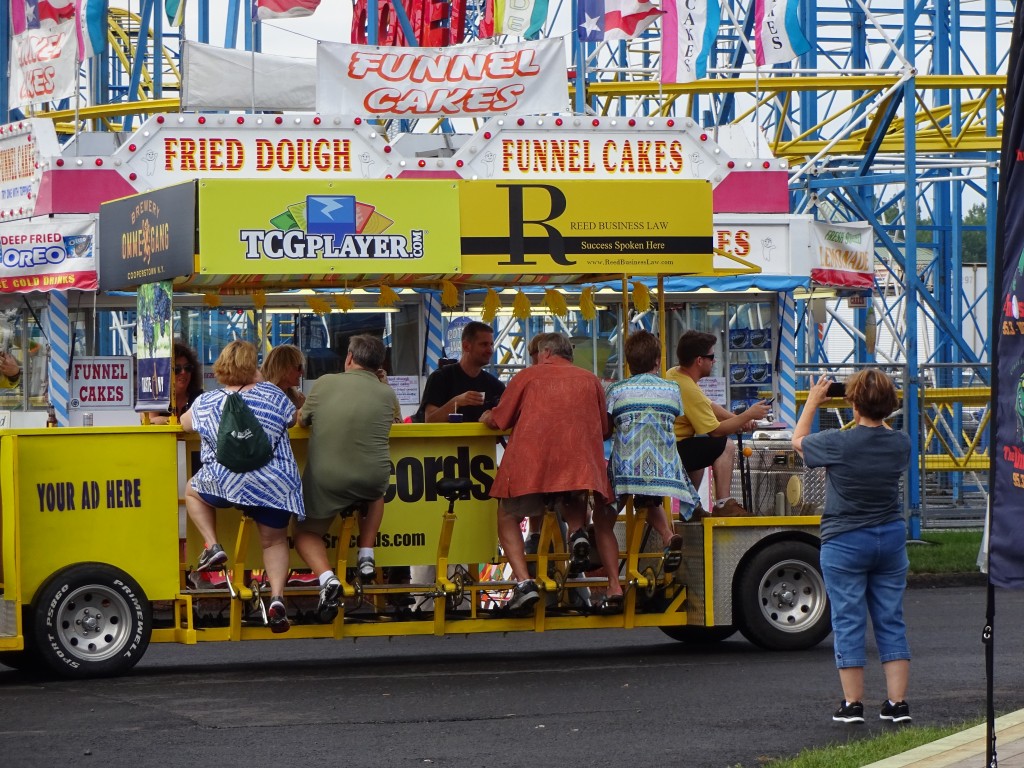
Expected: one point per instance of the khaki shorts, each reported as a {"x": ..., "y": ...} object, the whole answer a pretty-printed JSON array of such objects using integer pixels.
[
  {"x": 533, "y": 504},
  {"x": 317, "y": 526}
]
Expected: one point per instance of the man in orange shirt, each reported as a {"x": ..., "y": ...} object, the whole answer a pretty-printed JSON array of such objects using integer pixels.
[{"x": 559, "y": 419}]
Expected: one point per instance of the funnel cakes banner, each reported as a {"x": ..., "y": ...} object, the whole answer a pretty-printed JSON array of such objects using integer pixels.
[{"x": 457, "y": 81}]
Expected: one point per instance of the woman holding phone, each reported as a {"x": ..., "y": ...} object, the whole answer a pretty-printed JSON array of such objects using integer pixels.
[{"x": 863, "y": 536}]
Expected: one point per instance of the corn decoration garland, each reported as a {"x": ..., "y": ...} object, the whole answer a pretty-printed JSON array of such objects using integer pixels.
[
  {"x": 319, "y": 305},
  {"x": 259, "y": 300},
  {"x": 492, "y": 303},
  {"x": 641, "y": 297},
  {"x": 587, "y": 308},
  {"x": 388, "y": 297},
  {"x": 449, "y": 294},
  {"x": 521, "y": 308},
  {"x": 211, "y": 299},
  {"x": 344, "y": 302},
  {"x": 555, "y": 301}
]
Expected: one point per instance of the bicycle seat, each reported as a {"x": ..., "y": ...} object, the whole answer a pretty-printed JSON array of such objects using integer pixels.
[
  {"x": 453, "y": 487},
  {"x": 358, "y": 507}
]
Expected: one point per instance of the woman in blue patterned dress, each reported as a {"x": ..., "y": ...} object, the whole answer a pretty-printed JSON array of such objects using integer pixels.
[
  {"x": 270, "y": 495},
  {"x": 644, "y": 461}
]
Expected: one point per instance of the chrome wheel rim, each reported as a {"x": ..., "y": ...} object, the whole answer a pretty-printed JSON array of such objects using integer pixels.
[
  {"x": 94, "y": 623},
  {"x": 792, "y": 596}
]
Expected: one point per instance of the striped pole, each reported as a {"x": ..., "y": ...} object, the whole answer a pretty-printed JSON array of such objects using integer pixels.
[
  {"x": 59, "y": 360},
  {"x": 435, "y": 333},
  {"x": 786, "y": 358}
]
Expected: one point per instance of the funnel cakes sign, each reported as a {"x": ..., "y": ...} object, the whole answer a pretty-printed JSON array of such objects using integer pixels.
[
  {"x": 596, "y": 148},
  {"x": 457, "y": 81}
]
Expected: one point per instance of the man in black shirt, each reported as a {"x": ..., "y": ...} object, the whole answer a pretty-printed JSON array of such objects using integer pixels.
[{"x": 465, "y": 387}]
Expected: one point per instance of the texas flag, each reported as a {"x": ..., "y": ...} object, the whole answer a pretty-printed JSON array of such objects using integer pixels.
[
  {"x": 31, "y": 14},
  {"x": 284, "y": 9},
  {"x": 603, "y": 20}
]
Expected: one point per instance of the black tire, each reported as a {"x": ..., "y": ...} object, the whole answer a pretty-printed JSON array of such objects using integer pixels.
[
  {"x": 23, "y": 661},
  {"x": 699, "y": 635},
  {"x": 91, "y": 620},
  {"x": 780, "y": 598}
]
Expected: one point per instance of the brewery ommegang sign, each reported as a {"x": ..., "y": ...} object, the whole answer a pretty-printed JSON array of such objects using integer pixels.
[{"x": 148, "y": 237}]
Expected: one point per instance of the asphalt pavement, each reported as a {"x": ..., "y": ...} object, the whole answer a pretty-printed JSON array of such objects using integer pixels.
[{"x": 593, "y": 698}]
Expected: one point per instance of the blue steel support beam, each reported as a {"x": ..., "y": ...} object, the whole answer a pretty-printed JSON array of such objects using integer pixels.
[
  {"x": 203, "y": 31},
  {"x": 911, "y": 393},
  {"x": 139, "y": 64},
  {"x": 5, "y": 56},
  {"x": 231, "y": 24}
]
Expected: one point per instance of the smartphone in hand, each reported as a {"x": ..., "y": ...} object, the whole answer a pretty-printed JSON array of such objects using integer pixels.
[{"x": 836, "y": 389}]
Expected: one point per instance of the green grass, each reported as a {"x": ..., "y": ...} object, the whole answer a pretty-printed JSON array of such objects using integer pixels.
[
  {"x": 945, "y": 552},
  {"x": 855, "y": 754}
]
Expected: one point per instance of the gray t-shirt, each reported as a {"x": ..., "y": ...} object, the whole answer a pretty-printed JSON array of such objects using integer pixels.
[{"x": 863, "y": 466}]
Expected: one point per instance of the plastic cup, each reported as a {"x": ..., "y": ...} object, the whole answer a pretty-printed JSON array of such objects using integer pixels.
[{"x": 455, "y": 418}]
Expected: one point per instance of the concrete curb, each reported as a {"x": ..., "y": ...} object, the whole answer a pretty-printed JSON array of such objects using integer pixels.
[
  {"x": 966, "y": 748},
  {"x": 936, "y": 580}
]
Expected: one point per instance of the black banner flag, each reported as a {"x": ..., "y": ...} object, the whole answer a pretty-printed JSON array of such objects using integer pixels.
[{"x": 1006, "y": 542}]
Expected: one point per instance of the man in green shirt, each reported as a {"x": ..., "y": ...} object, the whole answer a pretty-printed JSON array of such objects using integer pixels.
[{"x": 349, "y": 462}]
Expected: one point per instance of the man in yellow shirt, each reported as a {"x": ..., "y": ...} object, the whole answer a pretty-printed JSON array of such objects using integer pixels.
[{"x": 702, "y": 432}]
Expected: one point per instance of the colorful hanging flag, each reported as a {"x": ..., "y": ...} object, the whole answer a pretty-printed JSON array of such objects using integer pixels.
[
  {"x": 31, "y": 14},
  {"x": 1006, "y": 510},
  {"x": 175, "y": 10},
  {"x": 777, "y": 34},
  {"x": 284, "y": 9},
  {"x": 91, "y": 20},
  {"x": 599, "y": 21},
  {"x": 19, "y": 22},
  {"x": 52, "y": 12},
  {"x": 522, "y": 18},
  {"x": 688, "y": 34}
]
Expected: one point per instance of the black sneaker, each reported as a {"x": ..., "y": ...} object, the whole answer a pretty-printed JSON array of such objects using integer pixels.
[
  {"x": 212, "y": 557},
  {"x": 579, "y": 547},
  {"x": 327, "y": 608},
  {"x": 849, "y": 712},
  {"x": 897, "y": 713},
  {"x": 524, "y": 595},
  {"x": 277, "y": 617}
]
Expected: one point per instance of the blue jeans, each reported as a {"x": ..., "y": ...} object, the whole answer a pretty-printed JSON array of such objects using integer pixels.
[{"x": 866, "y": 572}]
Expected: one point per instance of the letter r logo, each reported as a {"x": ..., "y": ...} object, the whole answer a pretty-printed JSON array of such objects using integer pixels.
[{"x": 517, "y": 241}]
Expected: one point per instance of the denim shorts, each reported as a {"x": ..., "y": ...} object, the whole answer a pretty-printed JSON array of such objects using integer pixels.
[
  {"x": 865, "y": 573},
  {"x": 268, "y": 516}
]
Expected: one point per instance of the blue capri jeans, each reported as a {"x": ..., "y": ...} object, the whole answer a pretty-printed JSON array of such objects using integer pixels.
[{"x": 866, "y": 573}]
